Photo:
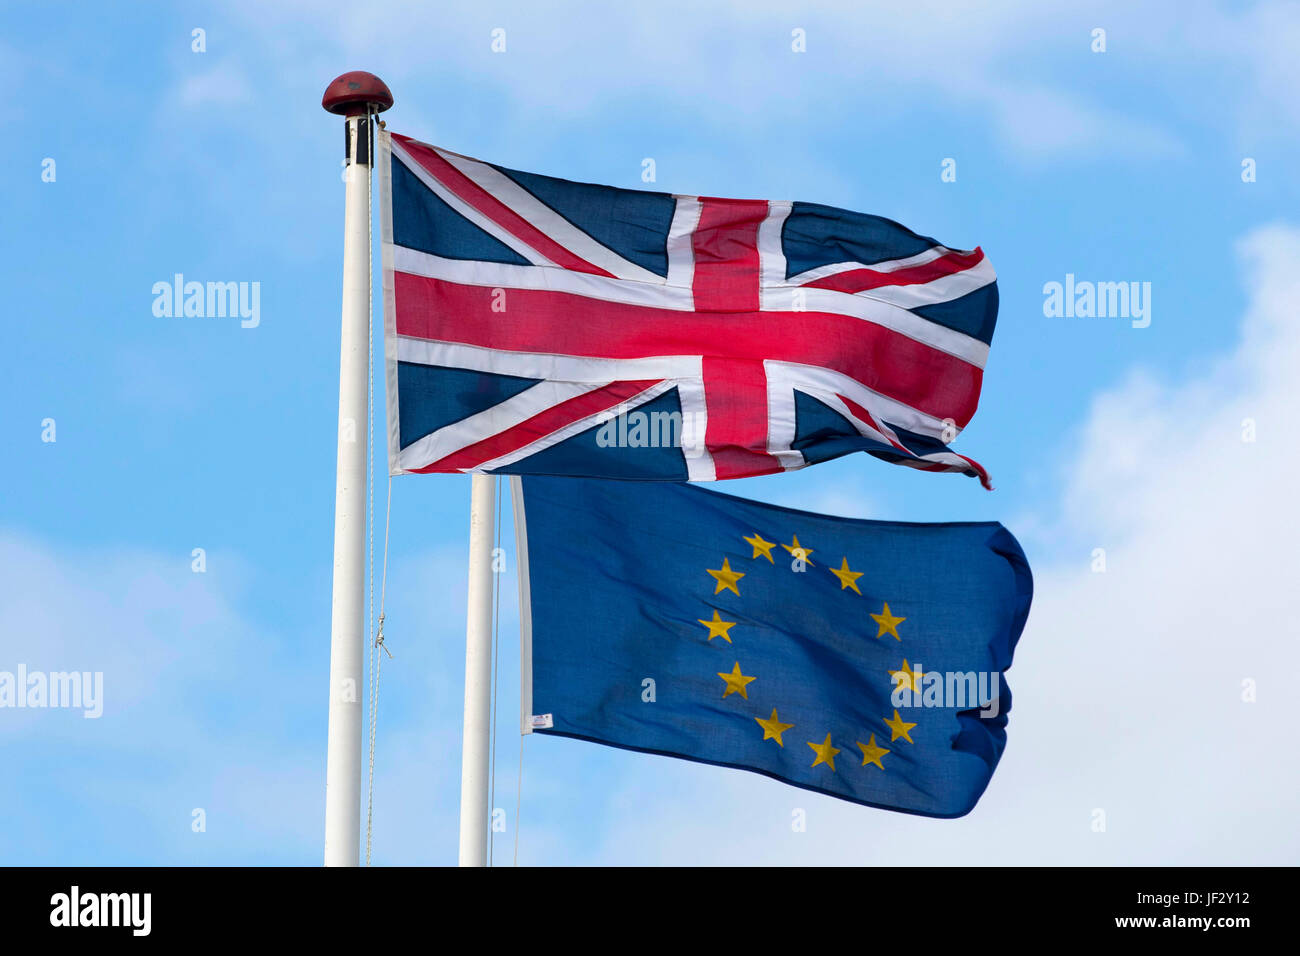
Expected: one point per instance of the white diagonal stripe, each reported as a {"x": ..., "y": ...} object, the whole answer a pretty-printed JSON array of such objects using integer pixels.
[
  {"x": 824, "y": 382},
  {"x": 546, "y": 220},
  {"x": 575, "y": 428},
  {"x": 514, "y": 410},
  {"x": 885, "y": 314},
  {"x": 942, "y": 289},
  {"x": 468, "y": 211},
  {"x": 890, "y": 265}
]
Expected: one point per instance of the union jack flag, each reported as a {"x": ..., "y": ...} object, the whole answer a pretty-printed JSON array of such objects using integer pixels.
[{"x": 537, "y": 326}]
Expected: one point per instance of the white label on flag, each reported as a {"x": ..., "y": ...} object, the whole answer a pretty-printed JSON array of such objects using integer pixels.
[{"x": 543, "y": 721}]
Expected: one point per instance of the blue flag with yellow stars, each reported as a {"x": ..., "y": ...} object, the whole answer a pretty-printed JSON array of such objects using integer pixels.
[{"x": 861, "y": 659}]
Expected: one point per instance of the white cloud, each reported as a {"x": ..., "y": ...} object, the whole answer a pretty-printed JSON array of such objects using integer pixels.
[
  {"x": 731, "y": 64},
  {"x": 1042, "y": 122},
  {"x": 224, "y": 84},
  {"x": 727, "y": 65}
]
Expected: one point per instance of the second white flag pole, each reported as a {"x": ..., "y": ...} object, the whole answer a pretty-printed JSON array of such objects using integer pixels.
[{"x": 478, "y": 675}]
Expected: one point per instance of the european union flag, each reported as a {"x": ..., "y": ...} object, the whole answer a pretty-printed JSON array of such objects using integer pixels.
[{"x": 861, "y": 659}]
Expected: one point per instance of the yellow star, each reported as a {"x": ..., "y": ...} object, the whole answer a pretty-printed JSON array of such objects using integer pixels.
[
  {"x": 872, "y": 753},
  {"x": 736, "y": 682},
  {"x": 798, "y": 550},
  {"x": 848, "y": 579},
  {"x": 907, "y": 678},
  {"x": 718, "y": 627},
  {"x": 898, "y": 727},
  {"x": 825, "y": 752},
  {"x": 726, "y": 578},
  {"x": 773, "y": 728},
  {"x": 888, "y": 624},
  {"x": 762, "y": 547}
]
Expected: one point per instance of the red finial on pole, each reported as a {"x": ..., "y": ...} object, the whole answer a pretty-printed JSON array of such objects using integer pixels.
[{"x": 357, "y": 93}]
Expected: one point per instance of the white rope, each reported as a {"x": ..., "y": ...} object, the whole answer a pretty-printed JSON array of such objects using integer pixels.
[
  {"x": 519, "y": 779},
  {"x": 370, "y": 464},
  {"x": 376, "y": 668},
  {"x": 370, "y": 401},
  {"x": 376, "y": 659},
  {"x": 519, "y": 795}
]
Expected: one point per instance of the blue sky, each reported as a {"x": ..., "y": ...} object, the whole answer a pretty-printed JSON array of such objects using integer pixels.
[{"x": 175, "y": 434}]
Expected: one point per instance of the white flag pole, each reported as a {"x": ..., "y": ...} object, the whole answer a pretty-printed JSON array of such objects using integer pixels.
[
  {"x": 357, "y": 96},
  {"x": 478, "y": 675}
]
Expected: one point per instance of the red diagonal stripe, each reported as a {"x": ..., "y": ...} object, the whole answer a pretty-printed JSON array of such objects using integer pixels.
[
  {"x": 979, "y": 469},
  {"x": 870, "y": 419},
  {"x": 501, "y": 214},
  {"x": 539, "y": 426},
  {"x": 862, "y": 413},
  {"x": 862, "y": 280}
]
